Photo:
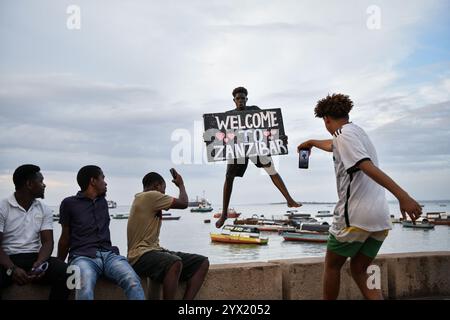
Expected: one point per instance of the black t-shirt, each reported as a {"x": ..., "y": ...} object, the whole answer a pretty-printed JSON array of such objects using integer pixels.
[{"x": 247, "y": 108}]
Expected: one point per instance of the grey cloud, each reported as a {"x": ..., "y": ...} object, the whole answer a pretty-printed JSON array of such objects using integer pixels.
[
  {"x": 60, "y": 115},
  {"x": 275, "y": 27},
  {"x": 421, "y": 136},
  {"x": 113, "y": 92}
]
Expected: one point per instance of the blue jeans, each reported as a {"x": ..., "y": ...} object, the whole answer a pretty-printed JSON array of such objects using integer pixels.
[{"x": 112, "y": 266}]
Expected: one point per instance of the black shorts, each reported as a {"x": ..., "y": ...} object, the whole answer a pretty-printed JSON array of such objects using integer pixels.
[
  {"x": 237, "y": 167},
  {"x": 156, "y": 263}
]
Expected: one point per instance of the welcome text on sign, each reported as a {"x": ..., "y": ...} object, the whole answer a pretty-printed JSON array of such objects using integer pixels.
[
  {"x": 243, "y": 134},
  {"x": 263, "y": 119}
]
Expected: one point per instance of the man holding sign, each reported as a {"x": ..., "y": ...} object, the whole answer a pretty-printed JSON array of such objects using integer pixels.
[{"x": 247, "y": 141}]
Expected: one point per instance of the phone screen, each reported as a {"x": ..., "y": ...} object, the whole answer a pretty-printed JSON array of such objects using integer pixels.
[
  {"x": 303, "y": 159},
  {"x": 41, "y": 268}
]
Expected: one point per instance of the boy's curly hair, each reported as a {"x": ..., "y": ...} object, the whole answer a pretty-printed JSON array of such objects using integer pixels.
[
  {"x": 336, "y": 106},
  {"x": 239, "y": 90}
]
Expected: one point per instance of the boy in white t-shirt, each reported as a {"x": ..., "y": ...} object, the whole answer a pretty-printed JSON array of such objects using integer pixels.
[{"x": 361, "y": 217}]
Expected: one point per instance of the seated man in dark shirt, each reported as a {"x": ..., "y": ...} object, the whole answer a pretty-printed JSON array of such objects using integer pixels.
[
  {"x": 85, "y": 236},
  {"x": 237, "y": 167}
]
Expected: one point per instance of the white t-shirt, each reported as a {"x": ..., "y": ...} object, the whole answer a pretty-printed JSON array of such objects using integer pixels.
[
  {"x": 21, "y": 229},
  {"x": 362, "y": 202}
]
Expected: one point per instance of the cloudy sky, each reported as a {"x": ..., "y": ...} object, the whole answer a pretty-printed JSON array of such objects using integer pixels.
[{"x": 128, "y": 89}]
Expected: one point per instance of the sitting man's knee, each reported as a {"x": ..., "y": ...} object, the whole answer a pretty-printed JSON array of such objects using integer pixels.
[
  {"x": 205, "y": 263},
  {"x": 176, "y": 267}
]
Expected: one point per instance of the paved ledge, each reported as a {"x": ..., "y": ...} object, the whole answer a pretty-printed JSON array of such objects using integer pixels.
[
  {"x": 302, "y": 279},
  {"x": 403, "y": 276},
  {"x": 251, "y": 281},
  {"x": 421, "y": 274}
]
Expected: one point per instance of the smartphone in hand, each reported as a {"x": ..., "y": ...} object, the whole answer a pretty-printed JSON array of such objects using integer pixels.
[
  {"x": 174, "y": 173},
  {"x": 39, "y": 269},
  {"x": 303, "y": 160}
]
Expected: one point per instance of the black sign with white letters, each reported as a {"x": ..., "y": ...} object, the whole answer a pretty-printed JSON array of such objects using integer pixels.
[{"x": 243, "y": 134}]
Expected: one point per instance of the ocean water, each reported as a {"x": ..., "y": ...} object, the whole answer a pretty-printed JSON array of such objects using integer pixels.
[{"x": 191, "y": 234}]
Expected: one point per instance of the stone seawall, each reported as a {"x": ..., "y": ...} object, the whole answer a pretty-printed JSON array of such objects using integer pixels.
[{"x": 403, "y": 276}]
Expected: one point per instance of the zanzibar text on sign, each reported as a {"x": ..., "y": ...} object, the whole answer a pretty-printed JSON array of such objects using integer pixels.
[{"x": 244, "y": 134}]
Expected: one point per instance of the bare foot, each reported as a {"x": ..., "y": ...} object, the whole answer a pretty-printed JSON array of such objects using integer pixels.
[
  {"x": 293, "y": 204},
  {"x": 221, "y": 221}
]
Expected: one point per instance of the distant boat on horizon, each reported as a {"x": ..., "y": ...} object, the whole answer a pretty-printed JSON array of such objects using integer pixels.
[
  {"x": 306, "y": 236},
  {"x": 120, "y": 216},
  {"x": 199, "y": 201},
  {"x": 424, "y": 224},
  {"x": 171, "y": 217},
  {"x": 201, "y": 208},
  {"x": 111, "y": 204}
]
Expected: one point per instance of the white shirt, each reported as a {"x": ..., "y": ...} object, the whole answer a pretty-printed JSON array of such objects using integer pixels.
[
  {"x": 362, "y": 202},
  {"x": 21, "y": 229}
]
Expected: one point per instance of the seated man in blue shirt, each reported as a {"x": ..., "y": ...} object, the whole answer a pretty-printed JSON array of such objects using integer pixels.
[{"x": 86, "y": 237}]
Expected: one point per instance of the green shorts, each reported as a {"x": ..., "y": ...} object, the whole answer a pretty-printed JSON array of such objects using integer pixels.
[{"x": 369, "y": 247}]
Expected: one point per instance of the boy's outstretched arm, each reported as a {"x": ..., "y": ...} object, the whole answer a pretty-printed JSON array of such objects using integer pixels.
[
  {"x": 325, "y": 145},
  {"x": 407, "y": 204}
]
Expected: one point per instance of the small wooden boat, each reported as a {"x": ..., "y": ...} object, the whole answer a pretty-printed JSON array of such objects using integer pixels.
[
  {"x": 202, "y": 209},
  {"x": 306, "y": 236},
  {"x": 120, "y": 216},
  {"x": 438, "y": 218},
  {"x": 318, "y": 227},
  {"x": 298, "y": 215},
  {"x": 251, "y": 221},
  {"x": 203, "y": 206},
  {"x": 424, "y": 224},
  {"x": 260, "y": 220},
  {"x": 274, "y": 227},
  {"x": 324, "y": 215},
  {"x": 239, "y": 235},
  {"x": 170, "y": 217}
]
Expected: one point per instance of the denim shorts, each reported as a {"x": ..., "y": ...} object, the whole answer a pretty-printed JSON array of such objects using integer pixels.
[{"x": 156, "y": 263}]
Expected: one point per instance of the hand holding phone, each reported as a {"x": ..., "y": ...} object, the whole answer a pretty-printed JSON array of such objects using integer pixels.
[
  {"x": 177, "y": 179},
  {"x": 39, "y": 269},
  {"x": 303, "y": 160},
  {"x": 174, "y": 173}
]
